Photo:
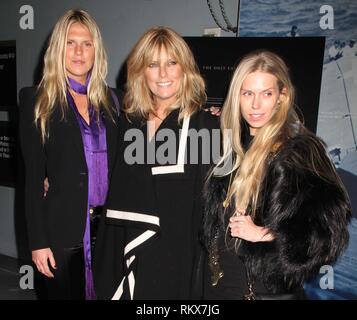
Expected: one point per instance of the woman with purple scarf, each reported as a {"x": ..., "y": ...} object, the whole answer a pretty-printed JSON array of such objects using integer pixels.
[{"x": 68, "y": 133}]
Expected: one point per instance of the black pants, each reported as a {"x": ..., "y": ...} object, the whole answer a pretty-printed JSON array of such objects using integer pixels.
[
  {"x": 69, "y": 281},
  {"x": 69, "y": 276}
]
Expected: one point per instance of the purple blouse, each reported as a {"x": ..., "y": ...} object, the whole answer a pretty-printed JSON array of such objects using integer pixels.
[{"x": 95, "y": 150}]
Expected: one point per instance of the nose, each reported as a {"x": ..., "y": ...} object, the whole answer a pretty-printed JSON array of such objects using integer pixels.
[
  {"x": 78, "y": 49},
  {"x": 163, "y": 72},
  {"x": 256, "y": 102}
]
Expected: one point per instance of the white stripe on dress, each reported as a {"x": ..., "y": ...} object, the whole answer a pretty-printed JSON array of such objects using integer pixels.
[
  {"x": 130, "y": 246},
  {"x": 133, "y": 216},
  {"x": 179, "y": 167}
]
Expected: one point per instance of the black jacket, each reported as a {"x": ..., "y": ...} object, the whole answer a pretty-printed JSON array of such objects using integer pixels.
[
  {"x": 149, "y": 239},
  {"x": 307, "y": 215},
  {"x": 59, "y": 218}
]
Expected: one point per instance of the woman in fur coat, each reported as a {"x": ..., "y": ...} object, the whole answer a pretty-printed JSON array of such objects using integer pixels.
[{"x": 280, "y": 212}]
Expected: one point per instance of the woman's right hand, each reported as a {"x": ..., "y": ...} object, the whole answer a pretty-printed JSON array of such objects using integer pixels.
[
  {"x": 46, "y": 186},
  {"x": 40, "y": 257}
]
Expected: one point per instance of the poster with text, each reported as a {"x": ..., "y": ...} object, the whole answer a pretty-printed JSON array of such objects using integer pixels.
[
  {"x": 217, "y": 58},
  {"x": 8, "y": 112}
]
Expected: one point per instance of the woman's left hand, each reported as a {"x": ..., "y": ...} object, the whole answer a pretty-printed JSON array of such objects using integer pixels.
[{"x": 243, "y": 227}]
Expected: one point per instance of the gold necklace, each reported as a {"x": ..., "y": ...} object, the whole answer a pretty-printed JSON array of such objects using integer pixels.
[{"x": 213, "y": 257}]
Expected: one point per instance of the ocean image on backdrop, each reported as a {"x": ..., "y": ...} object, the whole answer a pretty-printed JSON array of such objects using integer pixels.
[{"x": 337, "y": 116}]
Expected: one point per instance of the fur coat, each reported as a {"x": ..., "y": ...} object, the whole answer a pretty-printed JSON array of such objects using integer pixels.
[{"x": 306, "y": 213}]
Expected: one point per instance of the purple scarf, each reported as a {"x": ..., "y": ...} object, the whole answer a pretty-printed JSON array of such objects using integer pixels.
[
  {"x": 95, "y": 149},
  {"x": 78, "y": 87}
]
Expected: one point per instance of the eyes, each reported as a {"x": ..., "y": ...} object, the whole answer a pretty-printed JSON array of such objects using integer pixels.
[
  {"x": 86, "y": 44},
  {"x": 248, "y": 93},
  {"x": 156, "y": 64}
]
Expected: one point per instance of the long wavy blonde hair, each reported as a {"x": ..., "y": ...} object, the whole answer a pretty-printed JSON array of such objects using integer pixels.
[
  {"x": 53, "y": 85},
  {"x": 138, "y": 99},
  {"x": 249, "y": 167}
]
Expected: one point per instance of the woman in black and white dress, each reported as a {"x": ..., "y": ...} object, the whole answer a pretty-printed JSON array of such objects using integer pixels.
[{"x": 148, "y": 246}]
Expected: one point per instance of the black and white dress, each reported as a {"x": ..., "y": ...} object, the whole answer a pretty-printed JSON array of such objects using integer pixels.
[{"x": 148, "y": 244}]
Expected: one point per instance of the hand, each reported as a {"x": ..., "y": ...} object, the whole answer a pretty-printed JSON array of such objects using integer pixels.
[
  {"x": 216, "y": 111},
  {"x": 40, "y": 258},
  {"x": 243, "y": 227},
  {"x": 46, "y": 186}
]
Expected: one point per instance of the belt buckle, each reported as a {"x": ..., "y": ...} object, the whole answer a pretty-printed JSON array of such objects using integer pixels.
[{"x": 95, "y": 211}]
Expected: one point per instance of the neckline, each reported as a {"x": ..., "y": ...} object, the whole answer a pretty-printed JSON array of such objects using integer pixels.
[
  {"x": 172, "y": 114},
  {"x": 75, "y": 109}
]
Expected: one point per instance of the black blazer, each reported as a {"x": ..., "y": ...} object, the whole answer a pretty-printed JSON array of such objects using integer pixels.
[{"x": 59, "y": 218}]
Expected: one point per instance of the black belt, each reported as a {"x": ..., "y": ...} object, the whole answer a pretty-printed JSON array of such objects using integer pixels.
[
  {"x": 94, "y": 216},
  {"x": 95, "y": 211}
]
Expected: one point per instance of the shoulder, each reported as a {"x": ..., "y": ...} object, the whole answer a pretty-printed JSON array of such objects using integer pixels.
[
  {"x": 27, "y": 100},
  {"x": 304, "y": 164},
  {"x": 116, "y": 96},
  {"x": 28, "y": 90},
  {"x": 27, "y": 93},
  {"x": 302, "y": 148},
  {"x": 306, "y": 140},
  {"x": 130, "y": 121},
  {"x": 119, "y": 94},
  {"x": 207, "y": 120}
]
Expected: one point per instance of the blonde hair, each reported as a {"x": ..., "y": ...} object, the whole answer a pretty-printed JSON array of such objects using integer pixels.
[
  {"x": 53, "y": 85},
  {"x": 138, "y": 99},
  {"x": 250, "y": 166}
]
